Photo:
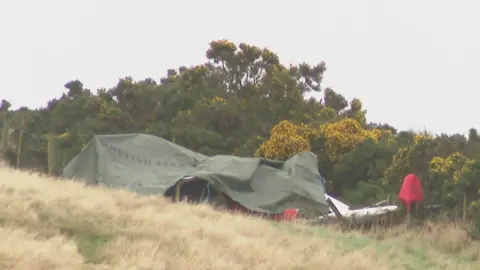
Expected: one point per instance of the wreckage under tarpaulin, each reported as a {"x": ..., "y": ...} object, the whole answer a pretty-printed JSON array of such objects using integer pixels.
[{"x": 151, "y": 165}]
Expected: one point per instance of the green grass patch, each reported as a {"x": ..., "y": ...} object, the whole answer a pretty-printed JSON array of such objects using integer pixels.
[
  {"x": 401, "y": 254},
  {"x": 90, "y": 245}
]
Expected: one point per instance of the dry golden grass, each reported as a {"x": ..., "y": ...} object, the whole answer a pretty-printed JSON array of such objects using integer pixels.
[{"x": 55, "y": 224}]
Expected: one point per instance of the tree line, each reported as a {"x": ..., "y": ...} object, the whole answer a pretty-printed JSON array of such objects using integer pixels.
[{"x": 243, "y": 101}]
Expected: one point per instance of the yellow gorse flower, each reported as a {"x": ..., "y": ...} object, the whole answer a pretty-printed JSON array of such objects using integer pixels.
[
  {"x": 422, "y": 137},
  {"x": 344, "y": 135},
  {"x": 286, "y": 140},
  {"x": 452, "y": 167},
  {"x": 218, "y": 99}
]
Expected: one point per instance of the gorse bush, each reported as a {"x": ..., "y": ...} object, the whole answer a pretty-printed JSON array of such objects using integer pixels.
[{"x": 286, "y": 140}]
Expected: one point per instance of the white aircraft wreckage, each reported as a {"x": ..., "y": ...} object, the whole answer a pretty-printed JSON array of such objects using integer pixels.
[{"x": 358, "y": 215}]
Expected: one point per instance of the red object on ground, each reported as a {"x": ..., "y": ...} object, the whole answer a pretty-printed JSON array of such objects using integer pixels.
[
  {"x": 289, "y": 214},
  {"x": 411, "y": 191}
]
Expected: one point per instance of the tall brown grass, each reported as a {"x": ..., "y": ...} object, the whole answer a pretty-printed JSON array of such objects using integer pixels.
[{"x": 56, "y": 224}]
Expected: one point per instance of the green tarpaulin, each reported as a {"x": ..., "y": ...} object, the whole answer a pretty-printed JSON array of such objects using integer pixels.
[{"x": 151, "y": 165}]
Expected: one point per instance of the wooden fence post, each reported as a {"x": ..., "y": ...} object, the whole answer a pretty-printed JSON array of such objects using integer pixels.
[
  {"x": 51, "y": 153},
  {"x": 5, "y": 129},
  {"x": 20, "y": 141}
]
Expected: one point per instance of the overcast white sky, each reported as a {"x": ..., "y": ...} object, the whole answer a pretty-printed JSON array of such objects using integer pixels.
[{"x": 412, "y": 63}]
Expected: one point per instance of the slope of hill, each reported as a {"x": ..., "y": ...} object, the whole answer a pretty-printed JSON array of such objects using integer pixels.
[{"x": 55, "y": 224}]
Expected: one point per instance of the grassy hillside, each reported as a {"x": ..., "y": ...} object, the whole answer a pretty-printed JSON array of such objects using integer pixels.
[{"x": 54, "y": 224}]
